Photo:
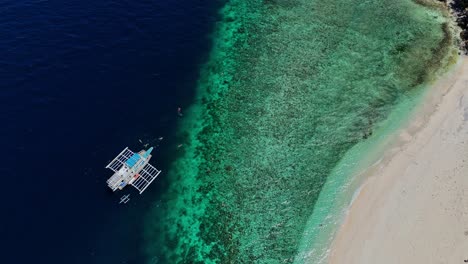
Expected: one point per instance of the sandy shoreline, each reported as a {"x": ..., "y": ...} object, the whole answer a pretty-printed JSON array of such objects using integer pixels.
[{"x": 414, "y": 206}]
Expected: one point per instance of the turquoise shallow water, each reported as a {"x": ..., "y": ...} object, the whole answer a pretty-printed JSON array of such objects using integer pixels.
[{"x": 290, "y": 87}]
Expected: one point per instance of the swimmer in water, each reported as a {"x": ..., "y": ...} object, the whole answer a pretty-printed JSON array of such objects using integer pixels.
[{"x": 179, "y": 111}]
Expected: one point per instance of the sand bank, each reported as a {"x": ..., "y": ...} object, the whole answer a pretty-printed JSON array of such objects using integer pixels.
[{"x": 414, "y": 206}]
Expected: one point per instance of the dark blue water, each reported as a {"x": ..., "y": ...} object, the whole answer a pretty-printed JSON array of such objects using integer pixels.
[{"x": 79, "y": 81}]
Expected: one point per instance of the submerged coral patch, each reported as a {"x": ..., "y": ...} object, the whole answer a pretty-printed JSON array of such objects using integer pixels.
[{"x": 290, "y": 86}]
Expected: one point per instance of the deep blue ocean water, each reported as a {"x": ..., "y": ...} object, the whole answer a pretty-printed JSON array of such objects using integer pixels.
[{"x": 79, "y": 81}]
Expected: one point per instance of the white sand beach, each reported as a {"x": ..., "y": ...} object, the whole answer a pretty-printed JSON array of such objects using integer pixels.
[{"x": 413, "y": 208}]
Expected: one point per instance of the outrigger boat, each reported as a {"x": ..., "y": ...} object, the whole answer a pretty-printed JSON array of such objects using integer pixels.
[{"x": 132, "y": 169}]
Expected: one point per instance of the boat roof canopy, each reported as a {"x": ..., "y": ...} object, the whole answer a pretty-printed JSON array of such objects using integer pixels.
[{"x": 133, "y": 160}]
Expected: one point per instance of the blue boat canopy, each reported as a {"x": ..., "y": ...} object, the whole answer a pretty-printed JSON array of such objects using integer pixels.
[{"x": 133, "y": 160}]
